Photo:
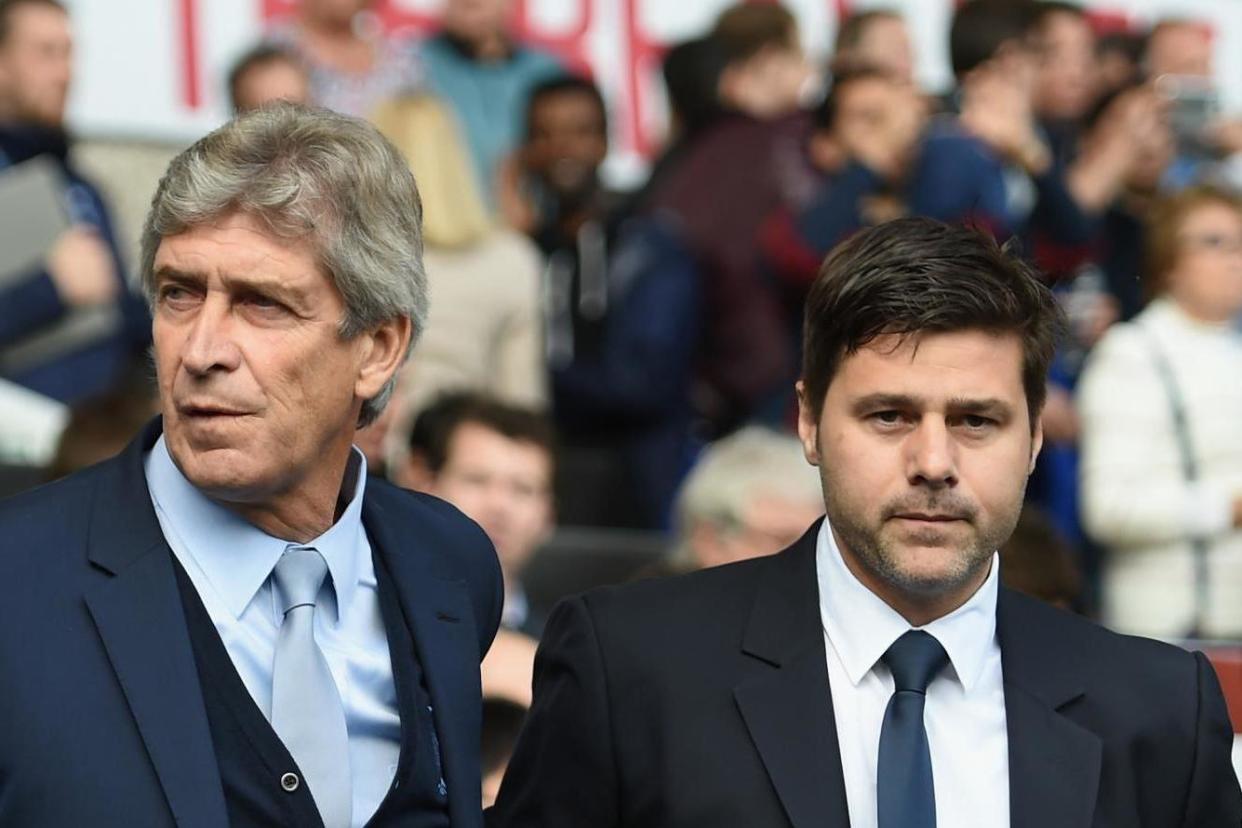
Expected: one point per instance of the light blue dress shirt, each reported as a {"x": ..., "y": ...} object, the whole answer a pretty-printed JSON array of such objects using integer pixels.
[{"x": 230, "y": 563}]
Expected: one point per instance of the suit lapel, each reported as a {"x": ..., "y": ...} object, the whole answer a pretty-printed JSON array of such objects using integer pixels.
[
  {"x": 139, "y": 618},
  {"x": 441, "y": 622},
  {"x": 1054, "y": 764},
  {"x": 787, "y": 703}
]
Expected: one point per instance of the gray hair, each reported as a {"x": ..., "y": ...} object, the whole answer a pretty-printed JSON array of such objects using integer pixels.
[
  {"x": 315, "y": 174},
  {"x": 749, "y": 463}
]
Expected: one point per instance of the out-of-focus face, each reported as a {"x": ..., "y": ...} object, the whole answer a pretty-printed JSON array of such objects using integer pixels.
[
  {"x": 260, "y": 393},
  {"x": 333, "y": 12},
  {"x": 475, "y": 20},
  {"x": 1067, "y": 75},
  {"x": 567, "y": 143},
  {"x": 273, "y": 80},
  {"x": 885, "y": 44},
  {"x": 1207, "y": 278},
  {"x": 771, "y": 84},
  {"x": 924, "y": 447},
  {"x": 36, "y": 65},
  {"x": 503, "y": 485},
  {"x": 769, "y": 522},
  {"x": 1180, "y": 49}
]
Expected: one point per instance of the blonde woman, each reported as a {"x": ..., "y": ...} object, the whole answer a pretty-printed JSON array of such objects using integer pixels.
[{"x": 485, "y": 327}]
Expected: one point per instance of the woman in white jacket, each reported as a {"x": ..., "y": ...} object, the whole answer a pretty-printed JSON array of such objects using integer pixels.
[{"x": 1161, "y": 407}]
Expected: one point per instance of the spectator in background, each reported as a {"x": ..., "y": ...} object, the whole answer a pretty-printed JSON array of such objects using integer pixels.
[
  {"x": 1161, "y": 401},
  {"x": 71, "y": 328},
  {"x": 1037, "y": 561},
  {"x": 352, "y": 67},
  {"x": 484, "y": 331},
  {"x": 477, "y": 66},
  {"x": 621, "y": 319},
  {"x": 751, "y": 494},
  {"x": 863, "y": 139},
  {"x": 877, "y": 39},
  {"x": 724, "y": 183},
  {"x": 496, "y": 463},
  {"x": 1179, "y": 46},
  {"x": 1119, "y": 60},
  {"x": 502, "y": 722},
  {"x": 267, "y": 73},
  {"x": 101, "y": 427}
]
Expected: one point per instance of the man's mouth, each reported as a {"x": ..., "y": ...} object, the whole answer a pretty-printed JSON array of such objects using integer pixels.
[{"x": 210, "y": 410}]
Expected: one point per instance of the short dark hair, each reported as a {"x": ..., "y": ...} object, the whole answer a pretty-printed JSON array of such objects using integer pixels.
[
  {"x": 691, "y": 71},
  {"x": 981, "y": 27},
  {"x": 260, "y": 55},
  {"x": 746, "y": 29},
  {"x": 7, "y": 7},
  {"x": 567, "y": 84},
  {"x": 434, "y": 428},
  {"x": 917, "y": 275}
]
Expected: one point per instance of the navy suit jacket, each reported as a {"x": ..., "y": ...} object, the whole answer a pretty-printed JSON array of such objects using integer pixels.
[
  {"x": 102, "y": 720},
  {"x": 703, "y": 702}
]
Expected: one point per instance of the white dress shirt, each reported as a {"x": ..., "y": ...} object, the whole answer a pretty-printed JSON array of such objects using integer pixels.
[
  {"x": 965, "y": 710},
  {"x": 230, "y": 563}
]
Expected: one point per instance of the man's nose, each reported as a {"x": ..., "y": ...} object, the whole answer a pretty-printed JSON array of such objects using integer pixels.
[
  {"x": 931, "y": 455},
  {"x": 210, "y": 344}
]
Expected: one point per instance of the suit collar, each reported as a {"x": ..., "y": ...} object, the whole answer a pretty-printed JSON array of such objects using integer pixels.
[
  {"x": 1054, "y": 764},
  {"x": 786, "y": 704},
  {"x": 440, "y": 617},
  {"x": 139, "y": 618}
]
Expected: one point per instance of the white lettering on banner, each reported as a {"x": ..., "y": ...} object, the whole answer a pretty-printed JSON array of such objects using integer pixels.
[{"x": 156, "y": 70}]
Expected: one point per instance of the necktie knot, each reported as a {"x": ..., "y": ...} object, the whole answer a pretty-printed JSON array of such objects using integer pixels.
[
  {"x": 298, "y": 575},
  {"x": 914, "y": 660}
]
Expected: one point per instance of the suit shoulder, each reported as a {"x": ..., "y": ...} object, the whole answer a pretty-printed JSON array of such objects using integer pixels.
[{"x": 49, "y": 507}]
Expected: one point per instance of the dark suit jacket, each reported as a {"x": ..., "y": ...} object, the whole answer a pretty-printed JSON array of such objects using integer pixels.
[
  {"x": 101, "y": 713},
  {"x": 704, "y": 701}
]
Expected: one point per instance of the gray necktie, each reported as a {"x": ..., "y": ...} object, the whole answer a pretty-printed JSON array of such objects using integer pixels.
[{"x": 307, "y": 713}]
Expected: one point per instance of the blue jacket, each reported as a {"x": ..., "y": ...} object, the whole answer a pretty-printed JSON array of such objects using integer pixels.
[
  {"x": 101, "y": 709},
  {"x": 33, "y": 304}
]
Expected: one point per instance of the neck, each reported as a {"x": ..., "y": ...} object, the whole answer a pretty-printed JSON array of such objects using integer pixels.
[
  {"x": 329, "y": 29},
  {"x": 1206, "y": 315},
  {"x": 305, "y": 513},
  {"x": 489, "y": 47}
]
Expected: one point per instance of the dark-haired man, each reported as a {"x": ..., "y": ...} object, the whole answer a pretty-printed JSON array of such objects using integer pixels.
[
  {"x": 267, "y": 73},
  {"x": 875, "y": 674}
]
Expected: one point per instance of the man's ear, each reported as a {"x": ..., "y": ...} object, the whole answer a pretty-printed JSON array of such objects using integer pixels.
[
  {"x": 383, "y": 349},
  {"x": 808, "y": 426},
  {"x": 1037, "y": 443}
]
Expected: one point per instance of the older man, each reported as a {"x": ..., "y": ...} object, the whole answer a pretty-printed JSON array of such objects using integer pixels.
[{"x": 229, "y": 623}]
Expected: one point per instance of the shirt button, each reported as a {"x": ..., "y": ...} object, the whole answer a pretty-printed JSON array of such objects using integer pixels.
[{"x": 290, "y": 782}]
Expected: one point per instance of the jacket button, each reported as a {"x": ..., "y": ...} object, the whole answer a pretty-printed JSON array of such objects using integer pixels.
[{"x": 290, "y": 782}]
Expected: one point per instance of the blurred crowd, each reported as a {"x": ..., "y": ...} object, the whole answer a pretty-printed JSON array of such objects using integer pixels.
[{"x": 606, "y": 378}]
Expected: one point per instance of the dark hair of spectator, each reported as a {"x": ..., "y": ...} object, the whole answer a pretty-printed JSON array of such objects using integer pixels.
[
  {"x": 433, "y": 430},
  {"x": 261, "y": 55},
  {"x": 502, "y": 722},
  {"x": 567, "y": 85},
  {"x": 825, "y": 115},
  {"x": 7, "y": 7},
  {"x": 981, "y": 27},
  {"x": 854, "y": 26},
  {"x": 746, "y": 29},
  {"x": 918, "y": 275},
  {"x": 1164, "y": 230},
  {"x": 692, "y": 79},
  {"x": 1131, "y": 45},
  {"x": 1037, "y": 561}
]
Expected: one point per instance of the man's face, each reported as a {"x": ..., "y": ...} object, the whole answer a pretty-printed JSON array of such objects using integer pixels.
[
  {"x": 1066, "y": 82},
  {"x": 1180, "y": 49},
  {"x": 567, "y": 143},
  {"x": 503, "y": 485},
  {"x": 273, "y": 80},
  {"x": 258, "y": 389},
  {"x": 475, "y": 19},
  {"x": 36, "y": 65},
  {"x": 1207, "y": 277},
  {"x": 924, "y": 447}
]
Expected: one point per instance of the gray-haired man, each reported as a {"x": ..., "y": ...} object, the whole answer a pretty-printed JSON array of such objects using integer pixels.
[{"x": 230, "y": 623}]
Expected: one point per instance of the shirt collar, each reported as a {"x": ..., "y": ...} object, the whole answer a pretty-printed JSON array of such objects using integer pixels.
[
  {"x": 236, "y": 556},
  {"x": 967, "y": 633}
]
